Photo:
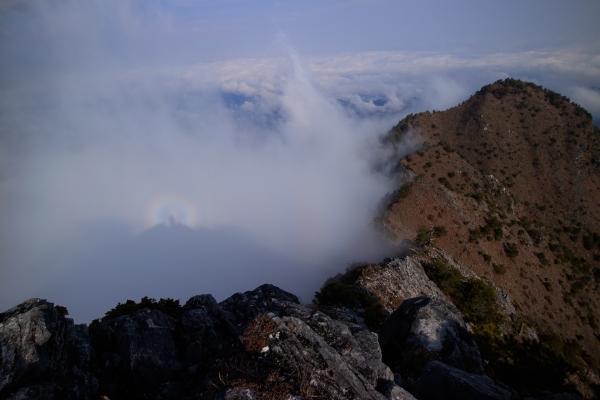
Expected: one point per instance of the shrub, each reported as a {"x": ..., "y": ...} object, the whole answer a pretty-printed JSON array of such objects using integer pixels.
[
  {"x": 424, "y": 236},
  {"x": 447, "y": 278},
  {"x": 499, "y": 269},
  {"x": 542, "y": 257},
  {"x": 591, "y": 240},
  {"x": 473, "y": 297},
  {"x": 62, "y": 310},
  {"x": 529, "y": 366},
  {"x": 444, "y": 181},
  {"x": 492, "y": 225},
  {"x": 477, "y": 301},
  {"x": 477, "y": 196},
  {"x": 166, "y": 306},
  {"x": 511, "y": 250},
  {"x": 404, "y": 190},
  {"x": 345, "y": 295},
  {"x": 439, "y": 231}
]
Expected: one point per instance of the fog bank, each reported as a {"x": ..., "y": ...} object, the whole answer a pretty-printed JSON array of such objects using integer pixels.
[{"x": 171, "y": 148}]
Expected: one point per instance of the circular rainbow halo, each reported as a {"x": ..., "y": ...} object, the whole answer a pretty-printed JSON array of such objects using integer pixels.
[{"x": 171, "y": 209}]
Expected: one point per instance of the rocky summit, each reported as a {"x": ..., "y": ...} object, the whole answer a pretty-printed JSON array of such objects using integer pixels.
[{"x": 493, "y": 293}]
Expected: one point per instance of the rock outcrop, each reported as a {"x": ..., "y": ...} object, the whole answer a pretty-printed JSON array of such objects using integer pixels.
[
  {"x": 394, "y": 281},
  {"x": 250, "y": 345},
  {"x": 43, "y": 354},
  {"x": 319, "y": 356},
  {"x": 135, "y": 353},
  {"x": 425, "y": 329}
]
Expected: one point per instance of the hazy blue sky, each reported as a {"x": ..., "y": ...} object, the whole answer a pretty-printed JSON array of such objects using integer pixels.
[{"x": 251, "y": 124}]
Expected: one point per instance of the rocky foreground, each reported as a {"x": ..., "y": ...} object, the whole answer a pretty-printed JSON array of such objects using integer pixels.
[{"x": 261, "y": 344}]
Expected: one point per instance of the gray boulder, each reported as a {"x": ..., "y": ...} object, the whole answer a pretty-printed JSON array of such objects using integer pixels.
[
  {"x": 43, "y": 354},
  {"x": 443, "y": 382},
  {"x": 242, "y": 307},
  {"x": 207, "y": 328},
  {"x": 398, "y": 280},
  {"x": 423, "y": 329},
  {"x": 135, "y": 353}
]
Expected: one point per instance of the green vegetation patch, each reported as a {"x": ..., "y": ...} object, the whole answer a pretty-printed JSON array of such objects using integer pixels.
[
  {"x": 511, "y": 250},
  {"x": 531, "y": 366},
  {"x": 404, "y": 190},
  {"x": 499, "y": 269},
  {"x": 477, "y": 196},
  {"x": 473, "y": 297},
  {"x": 444, "y": 181},
  {"x": 345, "y": 295},
  {"x": 591, "y": 240}
]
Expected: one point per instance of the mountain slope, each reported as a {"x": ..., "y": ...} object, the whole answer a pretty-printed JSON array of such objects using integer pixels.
[{"x": 508, "y": 184}]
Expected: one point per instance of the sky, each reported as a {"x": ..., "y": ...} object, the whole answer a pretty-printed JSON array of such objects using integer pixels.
[{"x": 174, "y": 148}]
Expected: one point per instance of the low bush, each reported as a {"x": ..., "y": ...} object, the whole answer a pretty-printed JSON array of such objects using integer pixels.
[
  {"x": 167, "y": 306},
  {"x": 424, "y": 236},
  {"x": 439, "y": 231},
  {"x": 591, "y": 240},
  {"x": 477, "y": 196},
  {"x": 530, "y": 367},
  {"x": 473, "y": 297},
  {"x": 345, "y": 295},
  {"x": 511, "y": 250},
  {"x": 404, "y": 190},
  {"x": 499, "y": 269}
]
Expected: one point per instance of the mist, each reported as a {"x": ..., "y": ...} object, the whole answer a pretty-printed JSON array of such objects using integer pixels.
[{"x": 166, "y": 149}]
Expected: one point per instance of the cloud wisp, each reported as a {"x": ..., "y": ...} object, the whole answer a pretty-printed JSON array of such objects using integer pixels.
[{"x": 128, "y": 163}]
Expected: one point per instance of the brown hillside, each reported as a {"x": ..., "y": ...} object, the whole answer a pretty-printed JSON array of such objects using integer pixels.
[{"x": 513, "y": 176}]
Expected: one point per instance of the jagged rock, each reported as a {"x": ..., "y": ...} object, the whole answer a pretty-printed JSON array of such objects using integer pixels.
[
  {"x": 341, "y": 358},
  {"x": 398, "y": 280},
  {"x": 135, "y": 353},
  {"x": 207, "y": 327},
  {"x": 296, "y": 344},
  {"x": 443, "y": 382},
  {"x": 43, "y": 354},
  {"x": 358, "y": 346},
  {"x": 242, "y": 307},
  {"x": 337, "y": 359},
  {"x": 428, "y": 329},
  {"x": 503, "y": 301},
  {"x": 345, "y": 315}
]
